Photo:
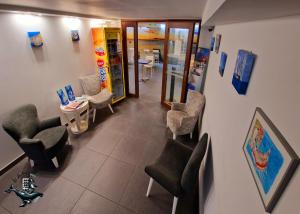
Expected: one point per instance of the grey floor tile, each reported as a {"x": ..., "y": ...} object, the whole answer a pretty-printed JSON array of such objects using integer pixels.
[
  {"x": 91, "y": 203},
  {"x": 84, "y": 167},
  {"x": 122, "y": 210},
  {"x": 159, "y": 201},
  {"x": 131, "y": 149},
  {"x": 3, "y": 211},
  {"x": 59, "y": 198},
  {"x": 112, "y": 179},
  {"x": 105, "y": 141}
]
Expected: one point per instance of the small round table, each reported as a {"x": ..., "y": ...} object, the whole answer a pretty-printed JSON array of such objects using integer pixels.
[{"x": 77, "y": 118}]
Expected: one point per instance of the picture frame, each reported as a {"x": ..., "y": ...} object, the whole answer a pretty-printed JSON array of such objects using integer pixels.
[
  {"x": 36, "y": 39},
  {"x": 222, "y": 65},
  {"x": 75, "y": 35},
  {"x": 270, "y": 158},
  {"x": 212, "y": 43},
  {"x": 243, "y": 70},
  {"x": 218, "y": 41}
]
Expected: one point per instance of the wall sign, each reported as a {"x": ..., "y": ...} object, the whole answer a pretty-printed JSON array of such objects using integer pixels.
[
  {"x": 75, "y": 35},
  {"x": 242, "y": 72},
  {"x": 36, "y": 39},
  {"x": 271, "y": 159}
]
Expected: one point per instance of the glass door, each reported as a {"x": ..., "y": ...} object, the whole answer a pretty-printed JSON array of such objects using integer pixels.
[
  {"x": 177, "y": 54},
  {"x": 130, "y": 57}
]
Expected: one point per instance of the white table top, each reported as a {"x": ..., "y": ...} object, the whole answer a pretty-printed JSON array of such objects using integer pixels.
[{"x": 69, "y": 110}]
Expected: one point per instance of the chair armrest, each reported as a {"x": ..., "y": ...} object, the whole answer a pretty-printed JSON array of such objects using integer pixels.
[
  {"x": 177, "y": 106},
  {"x": 49, "y": 123},
  {"x": 188, "y": 121},
  {"x": 33, "y": 148}
]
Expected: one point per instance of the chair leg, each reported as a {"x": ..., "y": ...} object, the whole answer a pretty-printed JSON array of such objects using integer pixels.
[
  {"x": 174, "y": 136},
  {"x": 149, "y": 187},
  {"x": 55, "y": 162},
  {"x": 112, "y": 111},
  {"x": 175, "y": 200},
  {"x": 69, "y": 142},
  {"x": 191, "y": 135},
  {"x": 31, "y": 162},
  {"x": 94, "y": 115}
]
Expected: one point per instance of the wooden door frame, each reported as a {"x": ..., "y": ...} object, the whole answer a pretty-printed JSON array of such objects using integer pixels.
[
  {"x": 179, "y": 24},
  {"x": 169, "y": 22},
  {"x": 124, "y": 25}
]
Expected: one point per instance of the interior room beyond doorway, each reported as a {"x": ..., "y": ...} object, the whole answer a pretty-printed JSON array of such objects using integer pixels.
[{"x": 151, "y": 36}]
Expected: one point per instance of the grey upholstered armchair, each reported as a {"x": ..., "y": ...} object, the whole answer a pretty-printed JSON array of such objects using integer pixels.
[
  {"x": 177, "y": 168},
  {"x": 182, "y": 117},
  {"x": 97, "y": 98},
  {"x": 40, "y": 140}
]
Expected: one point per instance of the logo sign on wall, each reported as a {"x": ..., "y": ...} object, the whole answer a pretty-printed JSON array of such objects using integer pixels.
[
  {"x": 99, "y": 51},
  {"x": 27, "y": 193},
  {"x": 100, "y": 63}
]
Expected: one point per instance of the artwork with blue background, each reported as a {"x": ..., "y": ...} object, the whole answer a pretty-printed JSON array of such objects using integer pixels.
[
  {"x": 212, "y": 43},
  {"x": 70, "y": 92},
  {"x": 266, "y": 158},
  {"x": 222, "y": 63},
  {"x": 242, "y": 72},
  {"x": 63, "y": 99},
  {"x": 36, "y": 39}
]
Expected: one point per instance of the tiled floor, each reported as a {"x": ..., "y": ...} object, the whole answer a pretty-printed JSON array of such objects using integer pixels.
[{"x": 103, "y": 171}]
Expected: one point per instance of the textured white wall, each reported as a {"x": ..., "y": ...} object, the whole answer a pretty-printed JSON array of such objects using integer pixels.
[
  {"x": 210, "y": 8},
  {"x": 205, "y": 35},
  {"x": 33, "y": 75},
  {"x": 274, "y": 86}
]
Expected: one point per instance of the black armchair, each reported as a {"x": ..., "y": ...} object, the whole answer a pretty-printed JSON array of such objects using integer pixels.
[
  {"x": 177, "y": 168},
  {"x": 40, "y": 140}
]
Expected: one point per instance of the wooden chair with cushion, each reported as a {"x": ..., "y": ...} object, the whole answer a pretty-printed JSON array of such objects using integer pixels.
[{"x": 177, "y": 168}]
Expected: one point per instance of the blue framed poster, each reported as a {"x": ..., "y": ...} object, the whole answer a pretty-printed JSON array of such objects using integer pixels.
[
  {"x": 212, "y": 43},
  {"x": 222, "y": 63},
  {"x": 243, "y": 69},
  {"x": 36, "y": 39}
]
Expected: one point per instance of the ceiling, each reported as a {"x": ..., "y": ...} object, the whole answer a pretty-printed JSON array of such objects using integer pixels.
[
  {"x": 125, "y": 9},
  {"x": 234, "y": 11}
]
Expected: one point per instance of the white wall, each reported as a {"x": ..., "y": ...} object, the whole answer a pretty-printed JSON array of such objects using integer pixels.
[
  {"x": 210, "y": 8},
  {"x": 274, "y": 86},
  {"x": 30, "y": 75},
  {"x": 205, "y": 35}
]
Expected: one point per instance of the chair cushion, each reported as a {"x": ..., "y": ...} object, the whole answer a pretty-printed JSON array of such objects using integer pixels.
[
  {"x": 168, "y": 168},
  {"x": 90, "y": 84},
  {"x": 190, "y": 173},
  {"x": 174, "y": 118},
  {"x": 53, "y": 139},
  {"x": 101, "y": 99}
]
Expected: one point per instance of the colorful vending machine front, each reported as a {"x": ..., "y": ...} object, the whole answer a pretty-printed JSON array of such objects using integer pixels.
[{"x": 108, "y": 52}]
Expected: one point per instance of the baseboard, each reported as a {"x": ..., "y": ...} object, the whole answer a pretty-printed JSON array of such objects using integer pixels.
[{"x": 12, "y": 164}]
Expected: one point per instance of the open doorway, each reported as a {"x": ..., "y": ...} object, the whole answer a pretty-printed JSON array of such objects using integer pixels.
[
  {"x": 151, "y": 37},
  {"x": 157, "y": 58}
]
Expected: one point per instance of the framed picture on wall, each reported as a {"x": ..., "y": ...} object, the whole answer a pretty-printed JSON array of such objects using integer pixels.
[
  {"x": 212, "y": 43},
  {"x": 243, "y": 70},
  {"x": 36, "y": 39},
  {"x": 218, "y": 41},
  {"x": 271, "y": 159},
  {"x": 222, "y": 65}
]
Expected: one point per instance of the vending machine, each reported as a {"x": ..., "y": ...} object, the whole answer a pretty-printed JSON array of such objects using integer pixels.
[{"x": 108, "y": 53}]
